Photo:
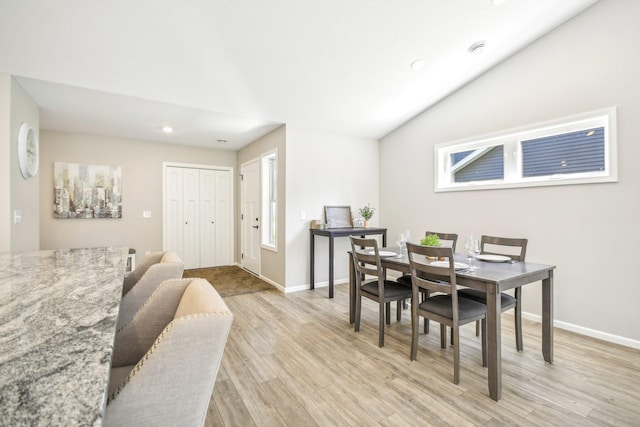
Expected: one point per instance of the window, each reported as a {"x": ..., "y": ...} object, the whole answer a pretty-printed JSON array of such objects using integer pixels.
[
  {"x": 270, "y": 200},
  {"x": 575, "y": 150}
]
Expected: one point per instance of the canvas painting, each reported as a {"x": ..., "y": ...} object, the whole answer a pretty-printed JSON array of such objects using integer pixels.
[{"x": 87, "y": 191}]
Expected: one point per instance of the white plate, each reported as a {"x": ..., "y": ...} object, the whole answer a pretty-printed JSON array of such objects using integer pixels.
[
  {"x": 445, "y": 264},
  {"x": 493, "y": 258},
  {"x": 383, "y": 254}
]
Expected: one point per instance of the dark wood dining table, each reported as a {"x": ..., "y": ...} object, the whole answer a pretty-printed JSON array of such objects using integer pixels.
[{"x": 493, "y": 278}]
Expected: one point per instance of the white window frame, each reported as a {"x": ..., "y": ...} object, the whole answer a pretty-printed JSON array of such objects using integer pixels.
[
  {"x": 511, "y": 141},
  {"x": 269, "y": 180}
]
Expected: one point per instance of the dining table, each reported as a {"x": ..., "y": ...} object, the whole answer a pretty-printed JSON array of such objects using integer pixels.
[{"x": 492, "y": 278}]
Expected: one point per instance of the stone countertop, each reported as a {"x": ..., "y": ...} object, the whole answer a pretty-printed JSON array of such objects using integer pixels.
[{"x": 58, "y": 313}]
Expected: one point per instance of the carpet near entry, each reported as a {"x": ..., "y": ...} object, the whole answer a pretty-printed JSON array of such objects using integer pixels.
[{"x": 230, "y": 280}]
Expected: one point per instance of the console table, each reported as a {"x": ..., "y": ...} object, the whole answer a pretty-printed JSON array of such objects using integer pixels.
[{"x": 332, "y": 233}]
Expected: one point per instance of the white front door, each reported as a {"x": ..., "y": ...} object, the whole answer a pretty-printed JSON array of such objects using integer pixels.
[{"x": 251, "y": 216}]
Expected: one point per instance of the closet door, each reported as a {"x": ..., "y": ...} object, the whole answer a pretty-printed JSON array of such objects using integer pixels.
[
  {"x": 215, "y": 218},
  {"x": 174, "y": 210},
  {"x": 208, "y": 220},
  {"x": 191, "y": 199},
  {"x": 198, "y": 223},
  {"x": 223, "y": 206}
]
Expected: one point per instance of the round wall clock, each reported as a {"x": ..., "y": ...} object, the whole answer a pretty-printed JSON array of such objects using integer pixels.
[{"x": 28, "y": 151}]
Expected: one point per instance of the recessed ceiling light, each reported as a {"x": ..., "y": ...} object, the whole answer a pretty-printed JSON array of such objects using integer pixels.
[
  {"x": 477, "y": 48},
  {"x": 418, "y": 64},
  {"x": 167, "y": 129},
  {"x": 498, "y": 2}
]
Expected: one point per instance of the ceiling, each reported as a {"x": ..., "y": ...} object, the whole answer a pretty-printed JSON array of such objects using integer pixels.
[{"x": 234, "y": 70}]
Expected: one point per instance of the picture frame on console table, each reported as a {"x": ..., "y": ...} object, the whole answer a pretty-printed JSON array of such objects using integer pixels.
[{"x": 338, "y": 216}]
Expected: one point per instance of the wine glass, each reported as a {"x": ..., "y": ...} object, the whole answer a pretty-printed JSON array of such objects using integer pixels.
[
  {"x": 469, "y": 244},
  {"x": 407, "y": 235},
  {"x": 474, "y": 251},
  {"x": 402, "y": 239}
]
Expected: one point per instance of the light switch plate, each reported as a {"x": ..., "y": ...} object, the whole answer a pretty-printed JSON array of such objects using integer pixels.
[
  {"x": 17, "y": 217},
  {"x": 146, "y": 214}
]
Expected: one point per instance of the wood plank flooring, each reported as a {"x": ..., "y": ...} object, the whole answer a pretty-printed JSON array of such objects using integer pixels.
[{"x": 294, "y": 360}]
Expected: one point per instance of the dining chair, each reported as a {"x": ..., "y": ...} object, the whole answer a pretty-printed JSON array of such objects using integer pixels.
[
  {"x": 445, "y": 307},
  {"x": 155, "y": 268},
  {"x": 166, "y": 359},
  {"x": 450, "y": 239},
  {"x": 516, "y": 249},
  {"x": 366, "y": 261}
]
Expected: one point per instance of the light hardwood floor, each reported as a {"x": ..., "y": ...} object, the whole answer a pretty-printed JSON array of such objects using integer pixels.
[{"x": 294, "y": 360}]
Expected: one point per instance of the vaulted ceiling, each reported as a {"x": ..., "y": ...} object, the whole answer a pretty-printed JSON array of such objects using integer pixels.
[{"x": 234, "y": 70}]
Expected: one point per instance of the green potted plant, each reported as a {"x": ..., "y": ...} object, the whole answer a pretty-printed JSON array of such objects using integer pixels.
[
  {"x": 367, "y": 212},
  {"x": 430, "y": 240}
]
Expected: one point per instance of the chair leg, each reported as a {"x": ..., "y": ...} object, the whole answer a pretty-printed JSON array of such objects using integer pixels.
[
  {"x": 426, "y": 321},
  {"x": 388, "y": 312},
  {"x": 484, "y": 342},
  {"x": 356, "y": 325},
  {"x": 381, "y": 323},
  {"x": 518, "y": 319},
  {"x": 443, "y": 336},
  {"x": 399, "y": 310},
  {"x": 415, "y": 323},
  {"x": 456, "y": 355},
  {"x": 477, "y": 328}
]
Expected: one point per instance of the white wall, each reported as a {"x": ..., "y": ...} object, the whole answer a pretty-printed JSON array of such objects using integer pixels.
[
  {"x": 141, "y": 164},
  {"x": 272, "y": 264},
  {"x": 590, "y": 232},
  {"x": 324, "y": 168},
  {"x": 25, "y": 236},
  {"x": 5, "y": 162}
]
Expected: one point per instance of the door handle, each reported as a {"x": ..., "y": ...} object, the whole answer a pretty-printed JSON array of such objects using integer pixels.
[{"x": 254, "y": 226}]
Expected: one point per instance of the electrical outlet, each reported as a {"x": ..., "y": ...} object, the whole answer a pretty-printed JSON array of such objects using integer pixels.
[
  {"x": 146, "y": 214},
  {"x": 17, "y": 217},
  {"x": 303, "y": 215}
]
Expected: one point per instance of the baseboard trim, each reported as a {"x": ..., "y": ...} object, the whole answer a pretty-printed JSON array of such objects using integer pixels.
[
  {"x": 317, "y": 285},
  {"x": 278, "y": 286},
  {"x": 604, "y": 336}
]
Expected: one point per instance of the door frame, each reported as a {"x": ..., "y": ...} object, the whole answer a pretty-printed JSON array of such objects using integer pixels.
[
  {"x": 242, "y": 230},
  {"x": 232, "y": 225}
]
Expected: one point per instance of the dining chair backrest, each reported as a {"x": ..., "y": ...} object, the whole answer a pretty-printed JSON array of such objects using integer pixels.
[
  {"x": 425, "y": 275},
  {"x": 366, "y": 257},
  {"x": 447, "y": 237},
  {"x": 512, "y": 247}
]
